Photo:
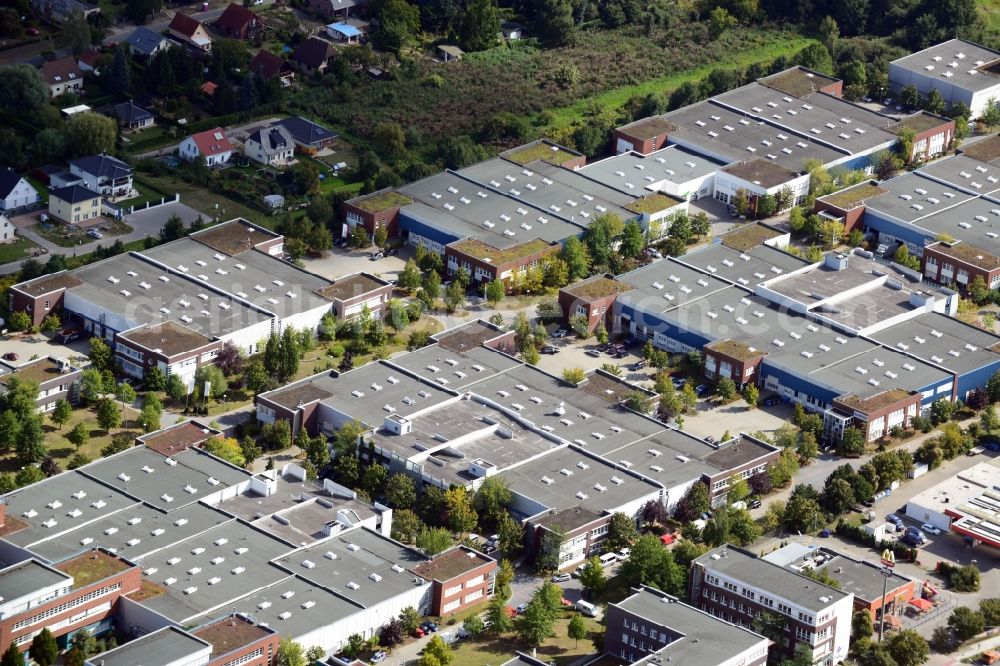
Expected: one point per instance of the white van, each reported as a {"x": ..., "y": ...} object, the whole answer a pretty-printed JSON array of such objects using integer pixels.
[
  {"x": 588, "y": 609},
  {"x": 608, "y": 559}
]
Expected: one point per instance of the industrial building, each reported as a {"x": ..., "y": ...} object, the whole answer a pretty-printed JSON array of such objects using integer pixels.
[
  {"x": 460, "y": 410},
  {"x": 968, "y": 503},
  {"x": 204, "y": 563},
  {"x": 960, "y": 70},
  {"x": 175, "y": 305}
]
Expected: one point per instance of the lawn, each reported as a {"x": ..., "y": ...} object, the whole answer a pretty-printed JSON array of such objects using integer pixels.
[
  {"x": 147, "y": 194},
  {"x": 15, "y": 251},
  {"x": 559, "y": 649},
  {"x": 770, "y": 47},
  {"x": 991, "y": 10},
  {"x": 202, "y": 200}
]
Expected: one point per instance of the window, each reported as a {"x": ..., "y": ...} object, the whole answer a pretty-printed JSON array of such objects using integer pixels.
[
  {"x": 452, "y": 590},
  {"x": 581, "y": 310},
  {"x": 63, "y": 607}
]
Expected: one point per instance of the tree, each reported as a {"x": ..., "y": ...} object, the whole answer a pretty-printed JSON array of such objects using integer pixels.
[
  {"x": 861, "y": 625},
  {"x": 479, "y": 26},
  {"x": 108, "y": 416},
  {"x": 125, "y": 394},
  {"x": 118, "y": 77},
  {"x": 966, "y": 622},
  {"x": 495, "y": 291},
  {"x": 497, "y": 619},
  {"x": 576, "y": 629},
  {"x": 460, "y": 516},
  {"x": 693, "y": 504},
  {"x": 155, "y": 380},
  {"x": 621, "y": 532},
  {"x": 433, "y": 540},
  {"x": 398, "y": 22},
  {"x": 78, "y": 435},
  {"x": 726, "y": 389},
  {"x": 653, "y": 512},
  {"x": 534, "y": 625},
  {"x": 577, "y": 258},
  {"x": 553, "y": 21},
  {"x": 12, "y": 656},
  {"x": 474, "y": 626},
  {"x": 432, "y": 285},
  {"x": 965, "y": 579},
  {"x": 51, "y": 323},
  {"x": 454, "y": 296},
  {"x": 61, "y": 413},
  {"x": 276, "y": 435},
  {"x": 25, "y": 91},
  {"x": 374, "y": 478},
  {"x": 505, "y": 574},
  {"x": 389, "y": 140},
  {"x": 592, "y": 577},
  {"x": 751, "y": 394},
  {"x": 650, "y": 563},
  {"x": 829, "y": 32},
  {"x": 355, "y": 643},
  {"x": 802, "y": 514},
  {"x": 229, "y": 359},
  {"x": 719, "y": 20},
  {"x": 409, "y": 278},
  {"x": 100, "y": 354},
  {"x": 439, "y": 649},
  {"x": 410, "y": 618},
  {"x": 990, "y": 609},
  {"x": 573, "y": 376},
  {"x": 226, "y": 448},
  {"x": 392, "y": 633},
  {"x": 400, "y": 492},
  {"x": 44, "y": 649},
  {"x": 89, "y": 133},
  {"x": 907, "y": 648},
  {"x": 492, "y": 498},
  {"x": 314, "y": 654},
  {"x": 290, "y": 653},
  {"x": 511, "y": 534}
]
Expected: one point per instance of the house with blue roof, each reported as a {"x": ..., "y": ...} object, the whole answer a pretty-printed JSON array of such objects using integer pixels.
[
  {"x": 143, "y": 43},
  {"x": 344, "y": 33}
]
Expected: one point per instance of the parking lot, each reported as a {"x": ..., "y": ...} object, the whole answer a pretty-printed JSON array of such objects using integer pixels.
[
  {"x": 714, "y": 420},
  {"x": 347, "y": 261},
  {"x": 39, "y": 346},
  {"x": 576, "y": 353}
]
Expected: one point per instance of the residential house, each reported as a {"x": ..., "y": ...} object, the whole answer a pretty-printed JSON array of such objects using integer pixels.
[
  {"x": 335, "y": 8},
  {"x": 7, "y": 234},
  {"x": 16, "y": 193},
  {"x": 131, "y": 118},
  {"x": 211, "y": 144},
  {"x": 104, "y": 174},
  {"x": 511, "y": 31},
  {"x": 74, "y": 204},
  {"x": 62, "y": 76},
  {"x": 143, "y": 43},
  {"x": 312, "y": 55},
  {"x": 238, "y": 22},
  {"x": 267, "y": 66},
  {"x": 344, "y": 33},
  {"x": 308, "y": 136},
  {"x": 270, "y": 146},
  {"x": 190, "y": 31},
  {"x": 88, "y": 61}
]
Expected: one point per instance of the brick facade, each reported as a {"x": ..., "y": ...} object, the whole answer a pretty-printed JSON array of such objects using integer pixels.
[{"x": 462, "y": 578}]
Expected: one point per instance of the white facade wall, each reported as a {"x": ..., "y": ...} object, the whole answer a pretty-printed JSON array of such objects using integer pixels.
[
  {"x": 900, "y": 77},
  {"x": 250, "y": 338},
  {"x": 73, "y": 302},
  {"x": 926, "y": 514},
  {"x": 23, "y": 194},
  {"x": 842, "y": 611},
  {"x": 308, "y": 319}
]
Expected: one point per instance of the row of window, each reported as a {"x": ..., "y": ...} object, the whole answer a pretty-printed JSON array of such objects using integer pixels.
[
  {"x": 259, "y": 652},
  {"x": 63, "y": 607}
]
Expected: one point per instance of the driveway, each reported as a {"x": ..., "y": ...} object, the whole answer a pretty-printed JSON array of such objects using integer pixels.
[
  {"x": 340, "y": 262},
  {"x": 145, "y": 222}
]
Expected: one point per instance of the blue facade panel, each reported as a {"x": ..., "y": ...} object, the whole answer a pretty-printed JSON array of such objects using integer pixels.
[
  {"x": 976, "y": 379},
  {"x": 410, "y": 223},
  {"x": 884, "y": 224},
  {"x": 798, "y": 383}
]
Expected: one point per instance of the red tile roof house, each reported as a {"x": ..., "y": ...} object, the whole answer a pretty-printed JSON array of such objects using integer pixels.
[
  {"x": 238, "y": 22},
  {"x": 190, "y": 31},
  {"x": 312, "y": 55},
  {"x": 267, "y": 66},
  {"x": 211, "y": 144},
  {"x": 62, "y": 76}
]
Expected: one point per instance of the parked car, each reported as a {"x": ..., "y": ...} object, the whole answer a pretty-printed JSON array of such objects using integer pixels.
[
  {"x": 561, "y": 333},
  {"x": 912, "y": 540},
  {"x": 895, "y": 520},
  {"x": 521, "y": 608},
  {"x": 930, "y": 529},
  {"x": 578, "y": 571},
  {"x": 639, "y": 365},
  {"x": 593, "y": 352},
  {"x": 549, "y": 349},
  {"x": 94, "y": 233},
  {"x": 378, "y": 657},
  {"x": 565, "y": 602},
  {"x": 10, "y": 356},
  {"x": 701, "y": 389},
  {"x": 753, "y": 503},
  {"x": 561, "y": 578},
  {"x": 392, "y": 252},
  {"x": 825, "y": 533},
  {"x": 624, "y": 553},
  {"x": 429, "y": 627},
  {"x": 418, "y": 633},
  {"x": 620, "y": 353},
  {"x": 375, "y": 256},
  {"x": 710, "y": 439}
]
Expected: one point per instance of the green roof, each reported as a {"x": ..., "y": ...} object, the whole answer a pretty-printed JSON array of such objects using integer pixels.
[
  {"x": 382, "y": 201},
  {"x": 486, "y": 252},
  {"x": 852, "y": 196},
  {"x": 653, "y": 203},
  {"x": 547, "y": 152}
]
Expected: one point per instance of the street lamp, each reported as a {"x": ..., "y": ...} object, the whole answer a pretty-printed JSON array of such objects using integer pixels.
[{"x": 888, "y": 562}]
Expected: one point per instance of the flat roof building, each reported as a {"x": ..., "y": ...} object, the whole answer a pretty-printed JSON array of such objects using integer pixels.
[{"x": 960, "y": 70}]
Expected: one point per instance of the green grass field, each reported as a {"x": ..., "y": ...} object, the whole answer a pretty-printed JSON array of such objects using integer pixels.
[
  {"x": 614, "y": 99},
  {"x": 203, "y": 200},
  {"x": 991, "y": 11},
  {"x": 15, "y": 251}
]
